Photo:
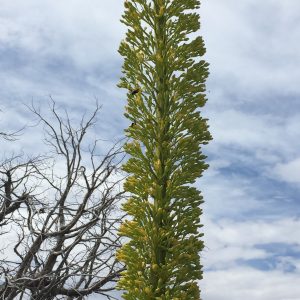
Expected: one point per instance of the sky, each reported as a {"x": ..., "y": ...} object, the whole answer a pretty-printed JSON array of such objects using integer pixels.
[{"x": 68, "y": 49}]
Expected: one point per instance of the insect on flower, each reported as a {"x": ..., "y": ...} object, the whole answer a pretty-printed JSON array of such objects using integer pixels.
[{"x": 134, "y": 92}]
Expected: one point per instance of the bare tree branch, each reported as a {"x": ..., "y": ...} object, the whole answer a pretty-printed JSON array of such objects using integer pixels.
[
  {"x": 64, "y": 210},
  {"x": 11, "y": 136}
]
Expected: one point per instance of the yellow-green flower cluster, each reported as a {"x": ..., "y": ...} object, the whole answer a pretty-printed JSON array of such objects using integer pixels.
[{"x": 165, "y": 78}]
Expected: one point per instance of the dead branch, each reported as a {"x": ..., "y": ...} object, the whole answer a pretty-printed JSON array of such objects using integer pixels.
[{"x": 65, "y": 214}]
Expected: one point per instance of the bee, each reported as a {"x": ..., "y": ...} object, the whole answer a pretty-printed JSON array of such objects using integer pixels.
[{"x": 134, "y": 92}]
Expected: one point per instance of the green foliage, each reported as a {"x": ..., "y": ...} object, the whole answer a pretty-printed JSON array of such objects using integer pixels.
[{"x": 165, "y": 78}]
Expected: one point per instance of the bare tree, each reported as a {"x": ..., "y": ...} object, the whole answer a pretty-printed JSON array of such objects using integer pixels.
[
  {"x": 15, "y": 174},
  {"x": 63, "y": 210}
]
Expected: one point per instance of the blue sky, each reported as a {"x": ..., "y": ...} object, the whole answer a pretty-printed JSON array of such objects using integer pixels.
[{"x": 68, "y": 49}]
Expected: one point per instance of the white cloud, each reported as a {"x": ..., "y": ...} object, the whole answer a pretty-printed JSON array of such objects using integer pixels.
[
  {"x": 248, "y": 45},
  {"x": 226, "y": 232},
  {"x": 265, "y": 143},
  {"x": 67, "y": 50},
  {"x": 228, "y": 196},
  {"x": 266, "y": 133},
  {"x": 250, "y": 284},
  {"x": 86, "y": 32},
  {"x": 228, "y": 242},
  {"x": 289, "y": 172}
]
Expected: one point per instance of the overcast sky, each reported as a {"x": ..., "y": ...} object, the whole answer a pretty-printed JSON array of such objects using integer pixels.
[{"x": 68, "y": 49}]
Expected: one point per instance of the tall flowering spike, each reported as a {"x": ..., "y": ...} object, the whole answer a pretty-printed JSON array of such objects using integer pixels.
[{"x": 165, "y": 78}]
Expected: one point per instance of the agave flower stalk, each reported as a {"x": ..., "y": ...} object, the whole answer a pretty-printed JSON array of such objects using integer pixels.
[{"x": 165, "y": 76}]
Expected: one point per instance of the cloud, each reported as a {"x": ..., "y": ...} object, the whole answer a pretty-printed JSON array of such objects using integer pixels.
[
  {"x": 252, "y": 232},
  {"x": 250, "y": 284},
  {"x": 68, "y": 53},
  {"x": 257, "y": 260},
  {"x": 247, "y": 45},
  {"x": 289, "y": 172},
  {"x": 84, "y": 34}
]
